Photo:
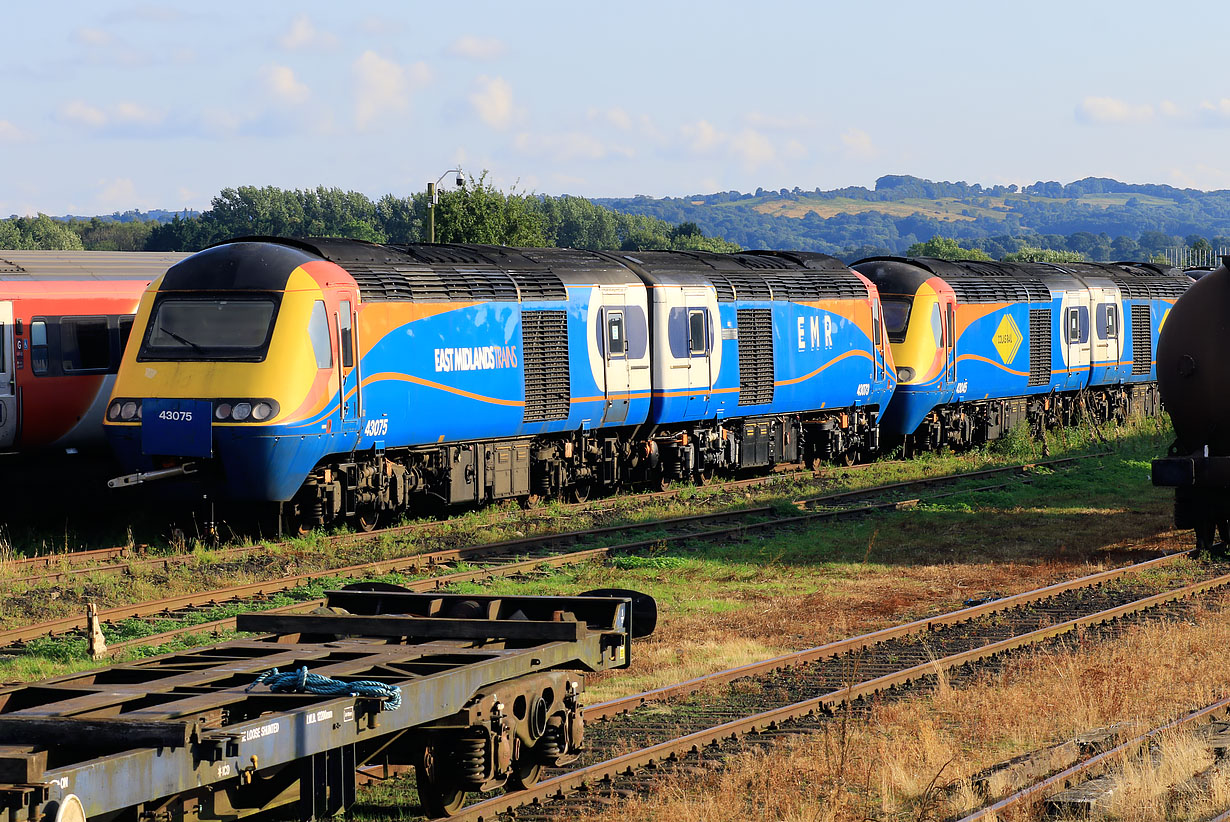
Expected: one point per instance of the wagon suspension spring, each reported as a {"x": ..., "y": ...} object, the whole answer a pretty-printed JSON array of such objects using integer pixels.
[{"x": 472, "y": 758}]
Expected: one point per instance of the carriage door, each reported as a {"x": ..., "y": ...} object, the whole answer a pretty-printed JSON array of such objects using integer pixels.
[
  {"x": 615, "y": 352},
  {"x": 1076, "y": 337},
  {"x": 8, "y": 379},
  {"x": 700, "y": 354},
  {"x": 950, "y": 340},
  {"x": 349, "y": 373}
]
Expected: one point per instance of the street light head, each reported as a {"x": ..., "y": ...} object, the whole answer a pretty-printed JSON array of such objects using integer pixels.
[{"x": 461, "y": 180}]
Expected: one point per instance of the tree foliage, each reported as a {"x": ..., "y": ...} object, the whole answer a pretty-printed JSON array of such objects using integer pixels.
[
  {"x": 1032, "y": 254},
  {"x": 945, "y": 248}
]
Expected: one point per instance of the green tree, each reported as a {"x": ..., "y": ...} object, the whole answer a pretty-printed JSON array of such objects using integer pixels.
[
  {"x": 1031, "y": 254},
  {"x": 945, "y": 248}
]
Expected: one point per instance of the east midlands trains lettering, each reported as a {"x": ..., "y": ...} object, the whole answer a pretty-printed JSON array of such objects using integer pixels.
[{"x": 481, "y": 358}]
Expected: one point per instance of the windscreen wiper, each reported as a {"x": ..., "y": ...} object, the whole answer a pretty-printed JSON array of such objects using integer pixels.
[{"x": 183, "y": 340}]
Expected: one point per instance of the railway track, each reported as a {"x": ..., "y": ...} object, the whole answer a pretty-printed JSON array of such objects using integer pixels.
[
  {"x": 499, "y": 559},
  {"x": 129, "y": 559},
  {"x": 630, "y": 740}
]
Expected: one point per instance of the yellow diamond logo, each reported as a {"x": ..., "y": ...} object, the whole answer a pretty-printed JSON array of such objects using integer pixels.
[{"x": 1007, "y": 339}]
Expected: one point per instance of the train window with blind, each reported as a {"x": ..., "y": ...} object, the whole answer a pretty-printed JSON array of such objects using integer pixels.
[
  {"x": 203, "y": 327},
  {"x": 85, "y": 344},
  {"x": 38, "y": 347},
  {"x": 318, "y": 333}
]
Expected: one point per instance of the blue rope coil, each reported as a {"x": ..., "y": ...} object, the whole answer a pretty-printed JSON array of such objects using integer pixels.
[{"x": 301, "y": 681}]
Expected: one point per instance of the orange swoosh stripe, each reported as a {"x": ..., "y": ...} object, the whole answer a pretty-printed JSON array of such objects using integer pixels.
[{"x": 390, "y": 375}]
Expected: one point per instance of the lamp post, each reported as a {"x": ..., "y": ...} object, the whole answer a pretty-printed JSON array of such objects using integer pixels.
[{"x": 433, "y": 198}]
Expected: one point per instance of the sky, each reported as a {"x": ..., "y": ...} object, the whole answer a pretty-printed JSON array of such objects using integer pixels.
[{"x": 111, "y": 106}]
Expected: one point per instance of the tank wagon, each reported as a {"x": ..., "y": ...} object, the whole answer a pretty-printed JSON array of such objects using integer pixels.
[
  {"x": 344, "y": 379},
  {"x": 475, "y": 693},
  {"x": 982, "y": 346},
  {"x": 65, "y": 317},
  {"x": 1193, "y": 376}
]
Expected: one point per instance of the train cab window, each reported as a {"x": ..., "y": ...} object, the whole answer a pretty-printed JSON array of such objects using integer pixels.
[
  {"x": 937, "y": 325},
  {"x": 346, "y": 330},
  {"x": 698, "y": 334},
  {"x": 230, "y": 327},
  {"x": 318, "y": 333},
  {"x": 875, "y": 324},
  {"x": 896, "y": 317},
  {"x": 616, "y": 342},
  {"x": 85, "y": 344},
  {"x": 38, "y": 348}
]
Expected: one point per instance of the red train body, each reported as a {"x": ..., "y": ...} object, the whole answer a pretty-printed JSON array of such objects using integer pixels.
[{"x": 64, "y": 321}]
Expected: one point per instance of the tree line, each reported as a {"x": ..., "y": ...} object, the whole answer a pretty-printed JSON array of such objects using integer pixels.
[{"x": 474, "y": 213}]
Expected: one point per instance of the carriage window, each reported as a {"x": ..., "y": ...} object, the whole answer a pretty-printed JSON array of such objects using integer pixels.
[
  {"x": 698, "y": 338},
  {"x": 1112, "y": 321},
  {"x": 125, "y": 333},
  {"x": 318, "y": 333},
  {"x": 38, "y": 347},
  {"x": 347, "y": 331},
  {"x": 85, "y": 344},
  {"x": 616, "y": 343}
]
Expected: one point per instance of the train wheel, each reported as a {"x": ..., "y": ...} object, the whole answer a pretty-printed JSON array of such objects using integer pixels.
[
  {"x": 703, "y": 476},
  {"x": 580, "y": 491},
  {"x": 366, "y": 518},
  {"x": 293, "y": 524},
  {"x": 438, "y": 794},
  {"x": 526, "y": 774}
]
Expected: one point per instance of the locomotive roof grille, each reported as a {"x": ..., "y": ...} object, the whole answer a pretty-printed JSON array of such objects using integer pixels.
[
  {"x": 1143, "y": 287},
  {"x": 985, "y": 289}
]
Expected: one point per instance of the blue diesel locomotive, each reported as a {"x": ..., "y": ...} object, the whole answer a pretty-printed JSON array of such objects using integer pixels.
[
  {"x": 983, "y": 346},
  {"x": 343, "y": 379}
]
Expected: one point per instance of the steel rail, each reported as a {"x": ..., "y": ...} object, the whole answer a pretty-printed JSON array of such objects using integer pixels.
[
  {"x": 563, "y": 784},
  {"x": 83, "y": 562},
  {"x": 1081, "y": 771},
  {"x": 485, "y": 551}
]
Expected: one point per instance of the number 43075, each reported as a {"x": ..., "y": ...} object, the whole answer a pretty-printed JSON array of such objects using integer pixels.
[{"x": 175, "y": 416}]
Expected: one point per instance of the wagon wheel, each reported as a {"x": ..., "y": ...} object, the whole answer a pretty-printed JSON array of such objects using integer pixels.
[
  {"x": 703, "y": 476},
  {"x": 847, "y": 457},
  {"x": 438, "y": 793}
]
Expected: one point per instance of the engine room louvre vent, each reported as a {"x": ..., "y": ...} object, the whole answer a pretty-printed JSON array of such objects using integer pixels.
[
  {"x": 1039, "y": 346},
  {"x": 742, "y": 285},
  {"x": 999, "y": 290},
  {"x": 1151, "y": 288},
  {"x": 384, "y": 282},
  {"x": 544, "y": 361},
  {"x": 539, "y": 285},
  {"x": 755, "y": 356},
  {"x": 1142, "y": 339}
]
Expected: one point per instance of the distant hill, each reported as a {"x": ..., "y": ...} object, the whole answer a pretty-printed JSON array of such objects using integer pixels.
[
  {"x": 1097, "y": 216},
  {"x": 157, "y": 215}
]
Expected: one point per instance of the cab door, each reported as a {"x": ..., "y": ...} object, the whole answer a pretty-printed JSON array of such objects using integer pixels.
[
  {"x": 1076, "y": 335},
  {"x": 348, "y": 369},
  {"x": 8, "y": 378},
  {"x": 615, "y": 356}
]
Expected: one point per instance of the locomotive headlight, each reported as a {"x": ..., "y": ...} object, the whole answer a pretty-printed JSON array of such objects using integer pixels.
[
  {"x": 262, "y": 411},
  {"x": 128, "y": 411},
  {"x": 223, "y": 411},
  {"x": 242, "y": 411},
  {"x": 140, "y": 409},
  {"x": 905, "y": 373},
  {"x": 113, "y": 411}
]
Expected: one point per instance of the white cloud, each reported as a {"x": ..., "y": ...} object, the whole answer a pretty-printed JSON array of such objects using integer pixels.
[
  {"x": 303, "y": 35},
  {"x": 702, "y": 136},
  {"x": 753, "y": 148},
  {"x": 1217, "y": 114},
  {"x": 383, "y": 87},
  {"x": 494, "y": 102},
  {"x": 136, "y": 114},
  {"x": 795, "y": 150},
  {"x": 772, "y": 122},
  {"x": 858, "y": 145},
  {"x": 93, "y": 37},
  {"x": 477, "y": 48},
  {"x": 282, "y": 84},
  {"x": 116, "y": 195},
  {"x": 1110, "y": 111},
  {"x": 10, "y": 133},
  {"x": 619, "y": 118},
  {"x": 77, "y": 112}
]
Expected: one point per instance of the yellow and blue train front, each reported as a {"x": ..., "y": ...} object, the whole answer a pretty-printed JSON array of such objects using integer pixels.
[{"x": 233, "y": 349}]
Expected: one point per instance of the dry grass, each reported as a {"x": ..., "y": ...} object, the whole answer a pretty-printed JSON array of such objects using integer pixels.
[{"x": 910, "y": 759}]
